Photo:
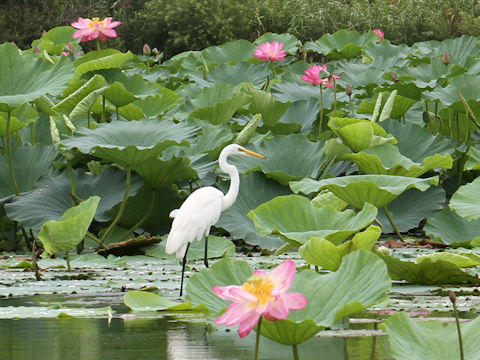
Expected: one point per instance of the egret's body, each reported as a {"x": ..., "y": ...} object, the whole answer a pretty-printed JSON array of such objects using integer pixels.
[{"x": 202, "y": 209}]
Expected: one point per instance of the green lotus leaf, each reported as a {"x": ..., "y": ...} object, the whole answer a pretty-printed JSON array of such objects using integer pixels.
[
  {"x": 289, "y": 41},
  {"x": 118, "y": 95},
  {"x": 466, "y": 200},
  {"x": 449, "y": 96},
  {"x": 296, "y": 220},
  {"x": 428, "y": 271},
  {"x": 359, "y": 271},
  {"x": 411, "y": 207},
  {"x": 289, "y": 157},
  {"x": 321, "y": 252},
  {"x": 363, "y": 75},
  {"x": 293, "y": 91},
  {"x": 385, "y": 49},
  {"x": 25, "y": 78},
  {"x": 14, "y": 125},
  {"x": 357, "y": 190},
  {"x": 218, "y": 247},
  {"x": 473, "y": 160},
  {"x": 66, "y": 233},
  {"x": 54, "y": 311},
  {"x": 130, "y": 143},
  {"x": 87, "y": 103},
  {"x": 239, "y": 73},
  {"x": 424, "y": 75},
  {"x": 218, "y": 103},
  {"x": 138, "y": 85},
  {"x": 162, "y": 172},
  {"x": 343, "y": 44},
  {"x": 230, "y": 52},
  {"x": 451, "y": 229},
  {"x": 459, "y": 49},
  {"x": 264, "y": 103},
  {"x": 146, "y": 301},
  {"x": 160, "y": 103},
  {"x": 458, "y": 128},
  {"x": 212, "y": 138},
  {"x": 51, "y": 196},
  {"x": 359, "y": 134},
  {"x": 430, "y": 339},
  {"x": 100, "y": 60},
  {"x": 131, "y": 112},
  {"x": 418, "y": 143},
  {"x": 386, "y": 159},
  {"x": 69, "y": 103},
  {"x": 303, "y": 112},
  {"x": 235, "y": 220},
  {"x": 55, "y": 40},
  {"x": 400, "y": 107},
  {"x": 30, "y": 163},
  {"x": 327, "y": 198},
  {"x": 459, "y": 260}
]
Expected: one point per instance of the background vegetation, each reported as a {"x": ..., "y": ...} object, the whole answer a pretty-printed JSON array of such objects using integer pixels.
[{"x": 176, "y": 26}]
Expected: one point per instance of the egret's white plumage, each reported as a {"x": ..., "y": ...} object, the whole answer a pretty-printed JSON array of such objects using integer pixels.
[{"x": 202, "y": 209}]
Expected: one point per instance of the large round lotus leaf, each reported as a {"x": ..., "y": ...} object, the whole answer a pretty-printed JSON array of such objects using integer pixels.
[
  {"x": 118, "y": 95},
  {"x": 451, "y": 229},
  {"x": 160, "y": 103},
  {"x": 25, "y": 78},
  {"x": 459, "y": 49},
  {"x": 357, "y": 190},
  {"x": 343, "y": 44},
  {"x": 296, "y": 220},
  {"x": 289, "y": 157},
  {"x": 400, "y": 107},
  {"x": 303, "y": 112},
  {"x": 416, "y": 142},
  {"x": 55, "y": 40},
  {"x": 386, "y": 159},
  {"x": 424, "y": 75},
  {"x": 265, "y": 103},
  {"x": 431, "y": 339},
  {"x": 130, "y": 143},
  {"x": 359, "y": 134},
  {"x": 294, "y": 91},
  {"x": 387, "y": 50},
  {"x": 289, "y": 41},
  {"x": 361, "y": 281},
  {"x": 242, "y": 72},
  {"x": 218, "y": 103},
  {"x": 466, "y": 200},
  {"x": 100, "y": 60},
  {"x": 64, "y": 234},
  {"x": 51, "y": 196},
  {"x": 254, "y": 191},
  {"x": 411, "y": 207},
  {"x": 30, "y": 163},
  {"x": 234, "y": 51},
  {"x": 449, "y": 95}
]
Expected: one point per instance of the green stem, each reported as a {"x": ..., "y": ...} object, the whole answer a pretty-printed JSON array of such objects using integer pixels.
[
  {"x": 395, "y": 228},
  {"x": 88, "y": 117},
  {"x": 320, "y": 122},
  {"x": 94, "y": 238},
  {"x": 351, "y": 106},
  {"x": 120, "y": 210},
  {"x": 34, "y": 258},
  {"x": 272, "y": 66},
  {"x": 334, "y": 97},
  {"x": 148, "y": 66},
  {"x": 98, "y": 44},
  {"x": 116, "y": 111},
  {"x": 9, "y": 154},
  {"x": 103, "y": 109},
  {"x": 460, "y": 165},
  {"x": 295, "y": 352},
  {"x": 32, "y": 133},
  {"x": 457, "y": 321},
  {"x": 141, "y": 221},
  {"x": 257, "y": 339},
  {"x": 67, "y": 257},
  {"x": 71, "y": 175}
]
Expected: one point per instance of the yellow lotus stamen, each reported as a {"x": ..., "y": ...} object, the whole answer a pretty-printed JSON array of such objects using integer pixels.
[{"x": 261, "y": 287}]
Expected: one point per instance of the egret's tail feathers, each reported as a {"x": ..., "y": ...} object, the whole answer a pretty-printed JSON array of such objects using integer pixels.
[
  {"x": 176, "y": 244},
  {"x": 173, "y": 213}
]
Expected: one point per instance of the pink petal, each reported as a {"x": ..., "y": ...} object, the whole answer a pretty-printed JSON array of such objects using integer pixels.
[
  {"x": 283, "y": 275},
  {"x": 109, "y": 24},
  {"x": 235, "y": 313},
  {"x": 278, "y": 310},
  {"x": 109, "y": 32},
  {"x": 234, "y": 293},
  {"x": 294, "y": 301},
  {"x": 81, "y": 33},
  {"x": 248, "y": 324},
  {"x": 81, "y": 23}
]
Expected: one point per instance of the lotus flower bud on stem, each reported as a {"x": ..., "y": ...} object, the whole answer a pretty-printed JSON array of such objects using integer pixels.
[
  {"x": 146, "y": 50},
  {"x": 36, "y": 49},
  {"x": 348, "y": 90},
  {"x": 446, "y": 58},
  {"x": 394, "y": 77}
]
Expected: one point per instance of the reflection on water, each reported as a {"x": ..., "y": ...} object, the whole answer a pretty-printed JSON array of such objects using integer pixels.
[{"x": 160, "y": 338}]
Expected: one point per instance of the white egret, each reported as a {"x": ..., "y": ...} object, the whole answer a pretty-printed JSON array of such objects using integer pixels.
[{"x": 202, "y": 209}]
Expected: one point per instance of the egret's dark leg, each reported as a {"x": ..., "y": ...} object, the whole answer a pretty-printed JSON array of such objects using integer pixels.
[
  {"x": 183, "y": 268},
  {"x": 205, "y": 256}
]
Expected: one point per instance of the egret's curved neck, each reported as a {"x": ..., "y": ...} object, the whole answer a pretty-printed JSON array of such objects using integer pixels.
[{"x": 231, "y": 170}]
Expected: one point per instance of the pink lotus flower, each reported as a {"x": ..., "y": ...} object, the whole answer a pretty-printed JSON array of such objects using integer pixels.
[
  {"x": 262, "y": 295},
  {"x": 313, "y": 75},
  {"x": 95, "y": 28},
  {"x": 380, "y": 34},
  {"x": 270, "y": 51}
]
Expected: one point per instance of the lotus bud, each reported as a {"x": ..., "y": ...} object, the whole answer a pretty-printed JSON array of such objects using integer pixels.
[
  {"x": 71, "y": 47},
  {"x": 394, "y": 77},
  {"x": 146, "y": 50},
  {"x": 44, "y": 32},
  {"x": 452, "y": 296},
  {"x": 446, "y": 58},
  {"x": 348, "y": 90},
  {"x": 36, "y": 49}
]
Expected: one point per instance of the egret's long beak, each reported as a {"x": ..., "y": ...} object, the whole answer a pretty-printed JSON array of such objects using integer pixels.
[{"x": 252, "y": 153}]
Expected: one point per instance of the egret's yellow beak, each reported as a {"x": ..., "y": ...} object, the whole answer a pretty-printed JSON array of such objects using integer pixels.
[{"x": 252, "y": 153}]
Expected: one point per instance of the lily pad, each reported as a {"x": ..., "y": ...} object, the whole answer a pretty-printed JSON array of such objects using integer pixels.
[
  {"x": 357, "y": 190},
  {"x": 146, "y": 301},
  {"x": 296, "y": 220},
  {"x": 24, "y": 312},
  {"x": 431, "y": 339}
]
